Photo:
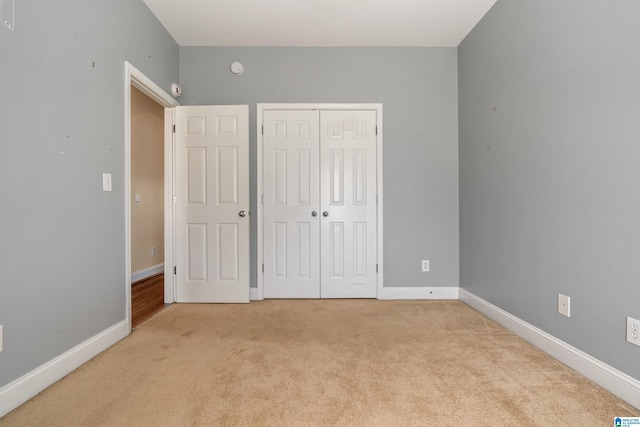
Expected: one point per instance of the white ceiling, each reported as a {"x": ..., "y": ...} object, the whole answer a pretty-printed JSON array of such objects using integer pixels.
[{"x": 319, "y": 22}]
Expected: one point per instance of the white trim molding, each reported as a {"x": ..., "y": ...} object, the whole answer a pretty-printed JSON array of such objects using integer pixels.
[
  {"x": 147, "y": 272},
  {"x": 19, "y": 391},
  {"x": 609, "y": 378},
  {"x": 421, "y": 292},
  {"x": 134, "y": 77}
]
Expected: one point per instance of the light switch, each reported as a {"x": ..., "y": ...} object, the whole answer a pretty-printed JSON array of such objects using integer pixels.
[
  {"x": 106, "y": 182},
  {"x": 137, "y": 198}
]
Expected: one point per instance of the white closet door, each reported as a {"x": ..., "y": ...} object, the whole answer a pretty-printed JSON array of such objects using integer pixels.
[
  {"x": 348, "y": 203},
  {"x": 212, "y": 203},
  {"x": 291, "y": 204}
]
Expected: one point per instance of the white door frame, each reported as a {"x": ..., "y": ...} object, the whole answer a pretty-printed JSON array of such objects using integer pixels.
[
  {"x": 134, "y": 77},
  {"x": 259, "y": 294}
]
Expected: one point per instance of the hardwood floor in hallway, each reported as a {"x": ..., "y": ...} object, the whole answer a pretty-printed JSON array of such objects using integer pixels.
[{"x": 147, "y": 298}]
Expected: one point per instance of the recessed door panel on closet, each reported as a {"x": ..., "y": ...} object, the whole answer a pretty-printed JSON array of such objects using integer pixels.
[{"x": 319, "y": 204}]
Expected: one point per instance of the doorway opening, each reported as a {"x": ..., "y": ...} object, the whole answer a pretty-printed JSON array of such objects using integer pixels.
[
  {"x": 147, "y": 207},
  {"x": 156, "y": 247}
]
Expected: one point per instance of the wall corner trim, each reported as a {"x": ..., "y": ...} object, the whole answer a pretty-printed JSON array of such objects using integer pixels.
[
  {"x": 24, "y": 388},
  {"x": 609, "y": 378},
  {"x": 418, "y": 292}
]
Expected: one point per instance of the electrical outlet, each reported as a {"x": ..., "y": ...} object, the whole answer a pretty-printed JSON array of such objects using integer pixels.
[
  {"x": 564, "y": 305},
  {"x": 425, "y": 265},
  {"x": 153, "y": 251},
  {"x": 633, "y": 331}
]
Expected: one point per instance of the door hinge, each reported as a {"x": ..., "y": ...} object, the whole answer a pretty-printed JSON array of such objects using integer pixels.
[
  {"x": 376, "y": 130},
  {"x": 174, "y": 128},
  {"x": 262, "y": 130},
  {"x": 263, "y": 268},
  {"x": 175, "y": 270},
  {"x": 376, "y": 268},
  {"x": 376, "y": 199},
  {"x": 262, "y": 199}
]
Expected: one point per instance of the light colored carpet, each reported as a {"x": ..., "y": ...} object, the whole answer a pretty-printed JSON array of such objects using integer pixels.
[{"x": 322, "y": 362}]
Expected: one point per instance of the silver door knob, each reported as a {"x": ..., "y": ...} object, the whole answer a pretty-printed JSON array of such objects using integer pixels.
[
  {"x": 314, "y": 213},
  {"x": 242, "y": 214},
  {"x": 325, "y": 213}
]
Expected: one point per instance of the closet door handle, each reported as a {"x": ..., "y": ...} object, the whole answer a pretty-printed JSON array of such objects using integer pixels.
[
  {"x": 325, "y": 213},
  {"x": 314, "y": 213},
  {"x": 242, "y": 214}
]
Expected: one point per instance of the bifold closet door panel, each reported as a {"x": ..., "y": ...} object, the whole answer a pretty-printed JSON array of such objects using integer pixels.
[
  {"x": 348, "y": 204},
  {"x": 291, "y": 204}
]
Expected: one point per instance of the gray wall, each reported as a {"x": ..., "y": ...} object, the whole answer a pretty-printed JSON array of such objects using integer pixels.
[
  {"x": 550, "y": 168},
  {"x": 418, "y": 87},
  {"x": 62, "y": 241}
]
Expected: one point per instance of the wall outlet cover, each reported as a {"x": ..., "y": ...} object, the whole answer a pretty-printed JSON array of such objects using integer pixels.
[
  {"x": 425, "y": 265},
  {"x": 633, "y": 331},
  {"x": 564, "y": 305}
]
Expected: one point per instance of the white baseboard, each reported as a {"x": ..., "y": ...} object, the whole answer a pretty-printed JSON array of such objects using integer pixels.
[
  {"x": 609, "y": 378},
  {"x": 147, "y": 272},
  {"x": 388, "y": 293},
  {"x": 391, "y": 293},
  {"x": 19, "y": 391}
]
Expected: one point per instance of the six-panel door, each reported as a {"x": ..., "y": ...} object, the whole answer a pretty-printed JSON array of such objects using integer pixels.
[
  {"x": 292, "y": 203},
  {"x": 348, "y": 200},
  {"x": 212, "y": 203}
]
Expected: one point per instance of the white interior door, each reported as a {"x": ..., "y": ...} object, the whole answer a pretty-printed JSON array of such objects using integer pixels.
[
  {"x": 348, "y": 203},
  {"x": 291, "y": 200},
  {"x": 319, "y": 204},
  {"x": 212, "y": 203}
]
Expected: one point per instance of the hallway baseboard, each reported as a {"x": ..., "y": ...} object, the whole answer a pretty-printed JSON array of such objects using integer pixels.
[{"x": 147, "y": 272}]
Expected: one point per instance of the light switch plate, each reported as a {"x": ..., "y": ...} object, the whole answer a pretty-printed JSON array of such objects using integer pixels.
[
  {"x": 106, "y": 182},
  {"x": 7, "y": 13}
]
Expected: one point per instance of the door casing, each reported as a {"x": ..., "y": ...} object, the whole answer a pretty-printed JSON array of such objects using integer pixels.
[
  {"x": 258, "y": 294},
  {"x": 134, "y": 77}
]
